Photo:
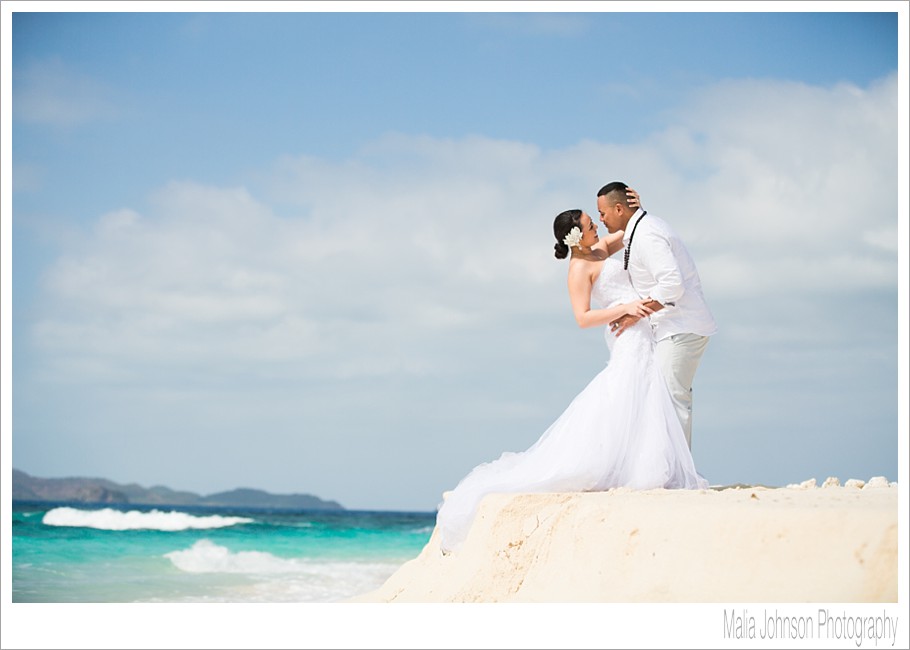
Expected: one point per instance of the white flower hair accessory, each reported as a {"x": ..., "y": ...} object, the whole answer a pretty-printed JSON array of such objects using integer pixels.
[{"x": 572, "y": 238}]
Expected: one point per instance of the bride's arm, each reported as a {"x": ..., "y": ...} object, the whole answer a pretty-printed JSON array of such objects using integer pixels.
[
  {"x": 580, "y": 296},
  {"x": 613, "y": 242}
]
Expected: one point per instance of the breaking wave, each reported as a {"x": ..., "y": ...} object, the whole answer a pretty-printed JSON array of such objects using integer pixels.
[{"x": 109, "y": 519}]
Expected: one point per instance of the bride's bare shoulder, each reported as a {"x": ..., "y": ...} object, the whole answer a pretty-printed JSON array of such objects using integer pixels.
[{"x": 583, "y": 271}]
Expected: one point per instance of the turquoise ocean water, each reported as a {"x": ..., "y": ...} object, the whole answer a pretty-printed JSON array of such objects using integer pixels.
[{"x": 78, "y": 553}]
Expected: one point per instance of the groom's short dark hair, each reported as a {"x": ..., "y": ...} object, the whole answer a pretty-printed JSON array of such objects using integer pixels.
[{"x": 617, "y": 189}]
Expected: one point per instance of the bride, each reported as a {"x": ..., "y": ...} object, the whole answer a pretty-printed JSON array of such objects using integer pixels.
[{"x": 621, "y": 430}]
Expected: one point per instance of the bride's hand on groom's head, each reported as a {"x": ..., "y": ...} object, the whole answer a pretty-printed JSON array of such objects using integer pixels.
[{"x": 632, "y": 198}]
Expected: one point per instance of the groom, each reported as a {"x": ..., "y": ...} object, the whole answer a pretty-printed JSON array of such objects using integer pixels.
[{"x": 661, "y": 269}]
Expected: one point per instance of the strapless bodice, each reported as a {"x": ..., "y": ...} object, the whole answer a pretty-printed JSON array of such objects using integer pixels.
[{"x": 613, "y": 287}]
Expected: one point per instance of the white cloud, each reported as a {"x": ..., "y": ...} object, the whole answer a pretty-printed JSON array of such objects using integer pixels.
[
  {"x": 424, "y": 262},
  {"x": 51, "y": 92},
  {"x": 776, "y": 187},
  {"x": 884, "y": 238}
]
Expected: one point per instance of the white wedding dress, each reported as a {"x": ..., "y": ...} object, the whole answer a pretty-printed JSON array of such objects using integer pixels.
[{"x": 621, "y": 430}]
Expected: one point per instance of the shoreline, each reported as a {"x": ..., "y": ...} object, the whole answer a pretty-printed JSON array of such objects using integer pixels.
[{"x": 799, "y": 543}]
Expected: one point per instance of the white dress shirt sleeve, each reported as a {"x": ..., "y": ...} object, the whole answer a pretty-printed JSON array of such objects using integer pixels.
[{"x": 657, "y": 255}]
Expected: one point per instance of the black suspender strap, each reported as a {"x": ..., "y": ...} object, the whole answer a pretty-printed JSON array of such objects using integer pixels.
[{"x": 629, "y": 247}]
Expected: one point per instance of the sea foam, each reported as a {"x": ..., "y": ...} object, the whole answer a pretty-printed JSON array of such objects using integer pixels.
[
  {"x": 109, "y": 519},
  {"x": 207, "y": 557},
  {"x": 281, "y": 579}
]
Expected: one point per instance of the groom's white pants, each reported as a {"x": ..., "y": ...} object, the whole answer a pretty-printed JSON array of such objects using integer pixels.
[{"x": 678, "y": 356}]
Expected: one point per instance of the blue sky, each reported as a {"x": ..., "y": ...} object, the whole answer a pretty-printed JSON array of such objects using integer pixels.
[{"x": 312, "y": 252}]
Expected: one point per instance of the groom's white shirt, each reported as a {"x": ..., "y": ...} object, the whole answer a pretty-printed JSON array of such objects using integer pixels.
[{"x": 661, "y": 268}]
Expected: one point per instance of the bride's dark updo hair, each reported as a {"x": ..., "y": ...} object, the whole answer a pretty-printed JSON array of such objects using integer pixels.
[{"x": 563, "y": 224}]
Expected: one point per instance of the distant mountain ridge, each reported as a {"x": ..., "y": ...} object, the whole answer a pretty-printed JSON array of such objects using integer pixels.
[{"x": 99, "y": 490}]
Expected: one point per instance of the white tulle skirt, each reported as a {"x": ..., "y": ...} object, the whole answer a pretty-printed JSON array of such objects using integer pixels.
[{"x": 620, "y": 431}]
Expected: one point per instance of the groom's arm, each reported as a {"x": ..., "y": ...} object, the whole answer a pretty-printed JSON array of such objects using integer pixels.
[{"x": 656, "y": 254}]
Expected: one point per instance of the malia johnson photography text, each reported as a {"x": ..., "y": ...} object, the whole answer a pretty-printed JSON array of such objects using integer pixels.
[{"x": 826, "y": 625}]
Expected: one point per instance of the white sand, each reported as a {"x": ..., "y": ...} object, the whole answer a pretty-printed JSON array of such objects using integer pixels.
[{"x": 753, "y": 544}]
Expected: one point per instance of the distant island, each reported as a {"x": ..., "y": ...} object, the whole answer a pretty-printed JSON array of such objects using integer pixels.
[{"x": 99, "y": 490}]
